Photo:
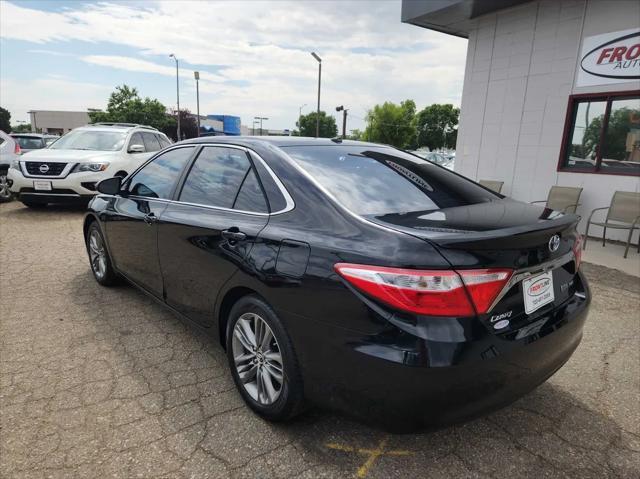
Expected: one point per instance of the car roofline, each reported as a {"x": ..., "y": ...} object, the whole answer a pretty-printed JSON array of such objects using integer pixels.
[{"x": 281, "y": 141}]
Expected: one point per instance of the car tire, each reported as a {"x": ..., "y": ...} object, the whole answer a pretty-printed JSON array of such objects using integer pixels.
[
  {"x": 271, "y": 399},
  {"x": 99, "y": 258},
  {"x": 5, "y": 192},
  {"x": 33, "y": 205}
]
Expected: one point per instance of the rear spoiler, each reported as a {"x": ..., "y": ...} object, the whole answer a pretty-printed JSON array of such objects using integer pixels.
[{"x": 530, "y": 235}]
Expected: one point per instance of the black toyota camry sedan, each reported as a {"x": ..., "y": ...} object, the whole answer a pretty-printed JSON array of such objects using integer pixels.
[{"x": 349, "y": 275}]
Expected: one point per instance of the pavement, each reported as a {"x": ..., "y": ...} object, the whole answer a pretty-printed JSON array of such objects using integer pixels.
[{"x": 98, "y": 382}]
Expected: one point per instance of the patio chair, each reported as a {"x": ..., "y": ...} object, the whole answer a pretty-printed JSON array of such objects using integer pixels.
[
  {"x": 623, "y": 214},
  {"x": 562, "y": 198},
  {"x": 492, "y": 185}
]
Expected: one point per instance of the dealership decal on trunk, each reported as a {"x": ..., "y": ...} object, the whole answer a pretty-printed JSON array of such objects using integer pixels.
[
  {"x": 610, "y": 58},
  {"x": 538, "y": 291}
]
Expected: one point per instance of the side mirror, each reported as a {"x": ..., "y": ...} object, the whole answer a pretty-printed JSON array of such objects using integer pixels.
[
  {"x": 110, "y": 186},
  {"x": 136, "y": 148}
]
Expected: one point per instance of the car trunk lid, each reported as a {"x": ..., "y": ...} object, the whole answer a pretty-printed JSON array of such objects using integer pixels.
[{"x": 535, "y": 242}]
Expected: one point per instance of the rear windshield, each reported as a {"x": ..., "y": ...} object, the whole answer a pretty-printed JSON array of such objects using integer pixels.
[
  {"x": 381, "y": 180},
  {"x": 29, "y": 142}
]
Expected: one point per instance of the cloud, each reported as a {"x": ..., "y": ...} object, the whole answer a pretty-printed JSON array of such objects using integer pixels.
[
  {"x": 260, "y": 51},
  {"x": 55, "y": 92},
  {"x": 144, "y": 66},
  {"x": 50, "y": 53}
]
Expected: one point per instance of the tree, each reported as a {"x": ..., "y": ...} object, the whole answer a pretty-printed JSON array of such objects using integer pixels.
[
  {"x": 392, "y": 124},
  {"x": 307, "y": 125},
  {"x": 437, "y": 126},
  {"x": 356, "y": 134},
  {"x": 126, "y": 106},
  {"x": 23, "y": 128},
  {"x": 188, "y": 125},
  {"x": 616, "y": 138},
  {"x": 5, "y": 120}
]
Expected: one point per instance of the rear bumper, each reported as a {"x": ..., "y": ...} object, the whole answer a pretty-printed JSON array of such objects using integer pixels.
[{"x": 435, "y": 375}]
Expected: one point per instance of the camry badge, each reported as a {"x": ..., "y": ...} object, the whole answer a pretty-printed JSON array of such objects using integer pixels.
[
  {"x": 44, "y": 168},
  {"x": 554, "y": 243}
]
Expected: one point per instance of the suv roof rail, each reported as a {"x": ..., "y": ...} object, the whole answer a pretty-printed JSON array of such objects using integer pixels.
[{"x": 124, "y": 125}]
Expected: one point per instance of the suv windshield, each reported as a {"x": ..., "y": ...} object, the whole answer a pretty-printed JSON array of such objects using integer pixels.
[
  {"x": 91, "y": 140},
  {"x": 372, "y": 180}
]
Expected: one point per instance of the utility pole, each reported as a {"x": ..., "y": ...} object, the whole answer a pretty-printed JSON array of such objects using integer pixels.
[
  {"x": 344, "y": 120},
  {"x": 319, "y": 79},
  {"x": 197, "y": 77},
  {"x": 177, "y": 93}
]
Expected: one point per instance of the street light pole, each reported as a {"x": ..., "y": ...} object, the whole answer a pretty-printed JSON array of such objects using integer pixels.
[
  {"x": 177, "y": 93},
  {"x": 197, "y": 77},
  {"x": 314, "y": 55}
]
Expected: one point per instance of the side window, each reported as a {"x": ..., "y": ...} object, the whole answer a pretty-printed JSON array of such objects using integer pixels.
[
  {"x": 163, "y": 141},
  {"x": 151, "y": 142},
  {"x": 250, "y": 196},
  {"x": 216, "y": 177},
  {"x": 157, "y": 178},
  {"x": 136, "y": 139}
]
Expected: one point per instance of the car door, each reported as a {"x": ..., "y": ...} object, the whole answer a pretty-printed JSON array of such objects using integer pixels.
[
  {"x": 151, "y": 142},
  {"x": 136, "y": 158},
  {"x": 207, "y": 234},
  {"x": 131, "y": 222}
]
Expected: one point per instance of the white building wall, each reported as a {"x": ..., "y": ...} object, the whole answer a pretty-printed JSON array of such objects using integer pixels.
[
  {"x": 53, "y": 121},
  {"x": 521, "y": 68}
]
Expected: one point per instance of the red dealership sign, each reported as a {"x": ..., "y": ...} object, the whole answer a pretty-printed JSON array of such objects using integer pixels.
[{"x": 610, "y": 58}]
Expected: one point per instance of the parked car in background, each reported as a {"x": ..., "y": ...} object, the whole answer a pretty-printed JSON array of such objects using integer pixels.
[
  {"x": 33, "y": 141},
  {"x": 69, "y": 169},
  {"x": 51, "y": 139},
  {"x": 348, "y": 274},
  {"x": 9, "y": 152}
]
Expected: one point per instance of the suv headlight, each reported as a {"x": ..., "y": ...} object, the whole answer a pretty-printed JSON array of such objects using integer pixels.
[
  {"x": 95, "y": 167},
  {"x": 15, "y": 164}
]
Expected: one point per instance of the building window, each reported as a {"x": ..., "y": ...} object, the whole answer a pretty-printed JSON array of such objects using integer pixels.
[{"x": 602, "y": 134}]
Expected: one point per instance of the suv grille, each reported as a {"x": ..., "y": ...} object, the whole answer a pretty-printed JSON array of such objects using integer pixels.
[{"x": 41, "y": 168}]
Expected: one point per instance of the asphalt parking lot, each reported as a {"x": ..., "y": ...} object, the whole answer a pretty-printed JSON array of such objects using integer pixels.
[{"x": 98, "y": 382}]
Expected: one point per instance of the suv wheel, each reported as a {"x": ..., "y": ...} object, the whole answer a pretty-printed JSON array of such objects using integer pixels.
[
  {"x": 99, "y": 258},
  {"x": 262, "y": 360},
  {"x": 5, "y": 192}
]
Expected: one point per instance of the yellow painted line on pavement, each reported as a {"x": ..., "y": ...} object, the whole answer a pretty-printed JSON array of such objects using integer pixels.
[{"x": 373, "y": 454}]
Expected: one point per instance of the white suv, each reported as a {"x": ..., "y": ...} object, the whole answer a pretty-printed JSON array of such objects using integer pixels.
[{"x": 70, "y": 168}]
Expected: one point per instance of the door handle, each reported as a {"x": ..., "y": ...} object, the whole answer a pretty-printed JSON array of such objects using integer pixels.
[
  {"x": 233, "y": 234},
  {"x": 150, "y": 218}
]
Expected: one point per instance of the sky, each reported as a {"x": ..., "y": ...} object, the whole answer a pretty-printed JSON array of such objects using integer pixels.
[{"x": 254, "y": 57}]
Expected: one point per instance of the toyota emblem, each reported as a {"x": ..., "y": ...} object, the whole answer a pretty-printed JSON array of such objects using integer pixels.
[
  {"x": 44, "y": 168},
  {"x": 554, "y": 243}
]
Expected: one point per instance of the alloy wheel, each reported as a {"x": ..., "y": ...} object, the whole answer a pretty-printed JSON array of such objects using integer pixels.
[
  {"x": 257, "y": 359},
  {"x": 5, "y": 193},
  {"x": 97, "y": 254}
]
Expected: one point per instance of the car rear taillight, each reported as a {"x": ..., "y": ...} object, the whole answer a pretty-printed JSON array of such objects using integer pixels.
[
  {"x": 16, "y": 149},
  {"x": 433, "y": 293},
  {"x": 577, "y": 250}
]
